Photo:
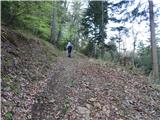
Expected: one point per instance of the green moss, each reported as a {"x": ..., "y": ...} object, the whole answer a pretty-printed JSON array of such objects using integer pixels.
[
  {"x": 7, "y": 62},
  {"x": 6, "y": 36},
  {"x": 9, "y": 116},
  {"x": 157, "y": 109},
  {"x": 6, "y": 78},
  {"x": 156, "y": 86},
  {"x": 26, "y": 34},
  {"x": 15, "y": 88},
  {"x": 146, "y": 98},
  {"x": 71, "y": 83},
  {"x": 65, "y": 106},
  {"x": 51, "y": 52},
  {"x": 40, "y": 99}
]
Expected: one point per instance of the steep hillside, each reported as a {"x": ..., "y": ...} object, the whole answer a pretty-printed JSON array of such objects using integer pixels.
[
  {"x": 40, "y": 84},
  {"x": 26, "y": 65}
]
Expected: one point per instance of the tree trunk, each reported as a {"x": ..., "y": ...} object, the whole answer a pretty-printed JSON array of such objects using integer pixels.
[
  {"x": 134, "y": 48},
  {"x": 153, "y": 42},
  {"x": 134, "y": 33},
  {"x": 59, "y": 32},
  {"x": 54, "y": 25},
  {"x": 119, "y": 42}
]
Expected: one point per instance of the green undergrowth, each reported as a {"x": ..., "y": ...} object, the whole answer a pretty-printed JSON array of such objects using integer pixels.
[
  {"x": 12, "y": 85},
  {"x": 157, "y": 86},
  {"x": 154, "y": 83},
  {"x": 9, "y": 116},
  {"x": 130, "y": 69},
  {"x": 49, "y": 49},
  {"x": 26, "y": 34},
  {"x": 65, "y": 105},
  {"x": 7, "y": 78},
  {"x": 78, "y": 54}
]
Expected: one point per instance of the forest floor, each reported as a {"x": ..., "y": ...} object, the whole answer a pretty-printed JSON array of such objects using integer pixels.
[
  {"x": 37, "y": 86},
  {"x": 82, "y": 90}
]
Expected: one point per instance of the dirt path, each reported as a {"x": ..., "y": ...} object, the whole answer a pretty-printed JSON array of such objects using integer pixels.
[
  {"x": 53, "y": 102},
  {"x": 82, "y": 90}
]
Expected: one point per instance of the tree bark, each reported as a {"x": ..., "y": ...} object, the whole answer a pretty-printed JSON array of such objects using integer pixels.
[
  {"x": 134, "y": 33},
  {"x": 59, "y": 32},
  {"x": 54, "y": 24},
  {"x": 153, "y": 42}
]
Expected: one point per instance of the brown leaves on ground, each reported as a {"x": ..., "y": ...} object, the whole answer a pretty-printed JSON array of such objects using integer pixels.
[{"x": 71, "y": 88}]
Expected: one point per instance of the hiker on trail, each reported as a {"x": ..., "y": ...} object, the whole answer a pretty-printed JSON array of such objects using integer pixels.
[{"x": 69, "y": 48}]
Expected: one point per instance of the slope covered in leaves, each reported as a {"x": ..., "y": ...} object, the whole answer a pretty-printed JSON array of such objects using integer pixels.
[
  {"x": 83, "y": 90},
  {"x": 36, "y": 87},
  {"x": 26, "y": 64}
]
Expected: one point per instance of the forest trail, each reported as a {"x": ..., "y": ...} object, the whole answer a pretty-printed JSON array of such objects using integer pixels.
[
  {"x": 40, "y": 84},
  {"x": 82, "y": 90}
]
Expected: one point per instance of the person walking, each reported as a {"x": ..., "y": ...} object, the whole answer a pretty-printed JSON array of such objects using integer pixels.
[{"x": 69, "y": 48}]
